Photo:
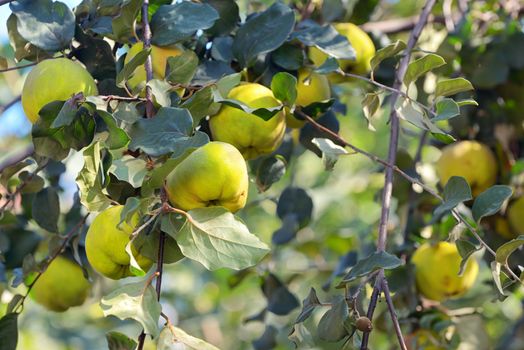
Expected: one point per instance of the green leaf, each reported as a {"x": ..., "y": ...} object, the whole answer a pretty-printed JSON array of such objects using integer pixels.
[
  {"x": 446, "y": 109},
  {"x": 370, "y": 106},
  {"x": 46, "y": 209},
  {"x": 456, "y": 191},
  {"x": 35, "y": 184},
  {"x": 127, "y": 112},
  {"x": 170, "y": 130},
  {"x": 119, "y": 341},
  {"x": 452, "y": 86},
  {"x": 181, "y": 69},
  {"x": 117, "y": 138},
  {"x": 216, "y": 238},
  {"x": 326, "y": 39},
  {"x": 134, "y": 301},
  {"x": 9, "y": 332},
  {"x": 465, "y": 249},
  {"x": 375, "y": 261},
  {"x": 264, "y": 113},
  {"x": 490, "y": 201},
  {"x": 269, "y": 171},
  {"x": 68, "y": 112},
  {"x": 467, "y": 102},
  {"x": 46, "y": 24},
  {"x": 174, "y": 23},
  {"x": 421, "y": 66},
  {"x": 386, "y": 52},
  {"x": 130, "y": 169},
  {"x": 415, "y": 115},
  {"x": 331, "y": 326},
  {"x": 199, "y": 104},
  {"x": 280, "y": 300},
  {"x": 228, "y": 17},
  {"x": 495, "y": 273},
  {"x": 161, "y": 91},
  {"x": 330, "y": 151},
  {"x": 328, "y": 66},
  {"x": 124, "y": 24},
  {"x": 89, "y": 180},
  {"x": 172, "y": 337},
  {"x": 263, "y": 33},
  {"x": 505, "y": 250},
  {"x": 308, "y": 306},
  {"x": 288, "y": 56},
  {"x": 129, "y": 68},
  {"x": 284, "y": 87},
  {"x": 295, "y": 201}
]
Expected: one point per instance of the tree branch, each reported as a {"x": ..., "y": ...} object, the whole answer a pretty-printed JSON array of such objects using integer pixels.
[
  {"x": 394, "y": 318},
  {"x": 10, "y": 104},
  {"x": 150, "y": 111}
]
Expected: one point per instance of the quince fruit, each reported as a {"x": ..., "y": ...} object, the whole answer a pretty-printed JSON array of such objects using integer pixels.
[
  {"x": 61, "y": 286},
  {"x": 361, "y": 43},
  {"x": 251, "y": 135},
  {"x": 213, "y": 175},
  {"x": 472, "y": 160},
  {"x": 311, "y": 87},
  {"x": 516, "y": 216},
  {"x": 437, "y": 267},
  {"x": 52, "y": 80},
  {"x": 106, "y": 243}
]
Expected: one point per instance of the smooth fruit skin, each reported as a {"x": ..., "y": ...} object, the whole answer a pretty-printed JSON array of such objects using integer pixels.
[
  {"x": 61, "y": 286},
  {"x": 213, "y": 175},
  {"x": 159, "y": 56},
  {"x": 52, "y": 80},
  {"x": 311, "y": 87},
  {"x": 251, "y": 135},
  {"x": 472, "y": 160},
  {"x": 106, "y": 243},
  {"x": 362, "y": 44},
  {"x": 516, "y": 216},
  {"x": 437, "y": 268}
]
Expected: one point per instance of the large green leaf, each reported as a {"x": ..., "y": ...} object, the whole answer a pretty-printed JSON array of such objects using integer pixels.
[
  {"x": 456, "y": 191},
  {"x": 326, "y": 39},
  {"x": 46, "y": 24},
  {"x": 505, "y": 250},
  {"x": 263, "y": 33},
  {"x": 386, "y": 52},
  {"x": 284, "y": 87},
  {"x": 170, "y": 130},
  {"x": 174, "y": 23},
  {"x": 130, "y": 169},
  {"x": 46, "y": 209},
  {"x": 216, "y": 238},
  {"x": 490, "y": 201},
  {"x": 375, "y": 261},
  {"x": 421, "y": 66},
  {"x": 137, "y": 302},
  {"x": 452, "y": 86},
  {"x": 331, "y": 326}
]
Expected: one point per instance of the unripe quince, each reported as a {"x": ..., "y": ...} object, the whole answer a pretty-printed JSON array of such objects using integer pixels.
[
  {"x": 213, "y": 175},
  {"x": 311, "y": 87},
  {"x": 159, "y": 56},
  {"x": 52, "y": 80},
  {"x": 106, "y": 243},
  {"x": 423, "y": 339},
  {"x": 251, "y": 135},
  {"x": 516, "y": 216},
  {"x": 437, "y": 268},
  {"x": 61, "y": 286},
  {"x": 472, "y": 160},
  {"x": 364, "y": 51}
]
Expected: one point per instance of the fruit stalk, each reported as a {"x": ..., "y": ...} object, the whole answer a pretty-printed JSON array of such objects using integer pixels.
[{"x": 388, "y": 182}]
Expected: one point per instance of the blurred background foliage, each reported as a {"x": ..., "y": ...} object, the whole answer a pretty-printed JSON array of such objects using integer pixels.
[{"x": 224, "y": 307}]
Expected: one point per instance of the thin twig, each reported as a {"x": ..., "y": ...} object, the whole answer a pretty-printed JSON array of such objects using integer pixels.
[
  {"x": 50, "y": 259},
  {"x": 10, "y": 104},
  {"x": 394, "y": 318},
  {"x": 150, "y": 110}
]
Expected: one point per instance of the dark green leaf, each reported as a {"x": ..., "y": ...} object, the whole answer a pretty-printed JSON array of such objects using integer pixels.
[
  {"x": 221, "y": 49},
  {"x": 280, "y": 300},
  {"x": 284, "y": 87},
  {"x": 174, "y": 23},
  {"x": 199, "y": 104},
  {"x": 264, "y": 113},
  {"x": 374, "y": 262},
  {"x": 46, "y": 24},
  {"x": 181, "y": 69},
  {"x": 117, "y": 138},
  {"x": 328, "y": 66},
  {"x": 295, "y": 200},
  {"x": 9, "y": 332},
  {"x": 263, "y": 33},
  {"x": 228, "y": 17},
  {"x": 170, "y": 130},
  {"x": 127, "y": 71},
  {"x": 270, "y": 171},
  {"x": 490, "y": 201},
  {"x": 119, "y": 341},
  {"x": 456, "y": 191},
  {"x": 331, "y": 326},
  {"x": 308, "y": 305},
  {"x": 289, "y": 57},
  {"x": 327, "y": 39},
  {"x": 46, "y": 209},
  {"x": 124, "y": 24}
]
